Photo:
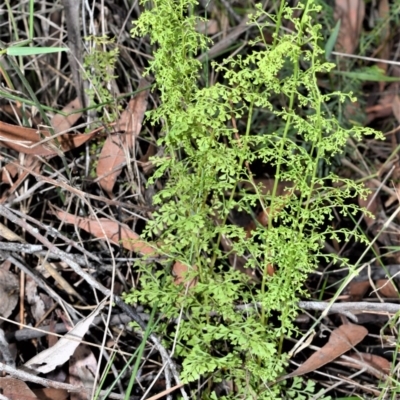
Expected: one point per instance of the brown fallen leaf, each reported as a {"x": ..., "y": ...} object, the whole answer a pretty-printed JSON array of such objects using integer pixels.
[
  {"x": 378, "y": 363},
  {"x": 351, "y": 13},
  {"x": 387, "y": 289},
  {"x": 24, "y": 167},
  {"x": 180, "y": 271},
  {"x": 357, "y": 289},
  {"x": 12, "y": 138},
  {"x": 341, "y": 340},
  {"x": 51, "y": 393},
  {"x": 120, "y": 234},
  {"x": 62, "y": 123},
  {"x": 209, "y": 27},
  {"x": 15, "y": 389},
  {"x": 24, "y": 140},
  {"x": 116, "y": 147},
  {"x": 82, "y": 371},
  {"x": 33, "y": 141},
  {"x": 8, "y": 172},
  {"x": 117, "y": 233}
]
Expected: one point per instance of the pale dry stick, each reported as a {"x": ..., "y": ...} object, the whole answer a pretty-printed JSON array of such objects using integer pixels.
[
  {"x": 231, "y": 11},
  {"x": 373, "y": 59},
  {"x": 348, "y": 308},
  {"x": 75, "y": 55},
  {"x": 122, "y": 30},
  {"x": 49, "y": 268},
  {"x": 28, "y": 377},
  {"x": 20, "y": 247},
  {"x": 169, "y": 389},
  {"x": 359, "y": 307},
  {"x": 5, "y": 212}
]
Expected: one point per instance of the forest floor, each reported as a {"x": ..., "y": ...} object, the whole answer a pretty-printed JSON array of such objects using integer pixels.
[{"x": 77, "y": 186}]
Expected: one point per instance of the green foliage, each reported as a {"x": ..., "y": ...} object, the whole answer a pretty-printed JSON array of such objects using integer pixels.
[
  {"x": 99, "y": 70},
  {"x": 299, "y": 392},
  {"x": 205, "y": 160}
]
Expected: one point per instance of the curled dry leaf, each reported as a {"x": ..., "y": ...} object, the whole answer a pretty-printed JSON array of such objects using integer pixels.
[
  {"x": 341, "y": 340},
  {"x": 117, "y": 147},
  {"x": 24, "y": 140},
  {"x": 351, "y": 14}
]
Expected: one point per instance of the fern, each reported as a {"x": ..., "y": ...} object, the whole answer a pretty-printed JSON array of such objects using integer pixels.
[{"x": 206, "y": 158}]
